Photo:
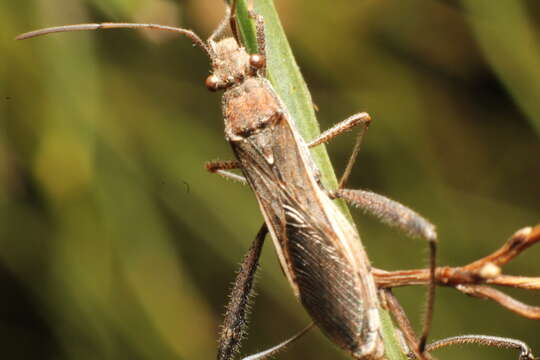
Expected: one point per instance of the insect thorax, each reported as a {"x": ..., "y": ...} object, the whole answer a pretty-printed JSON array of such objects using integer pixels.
[{"x": 249, "y": 107}]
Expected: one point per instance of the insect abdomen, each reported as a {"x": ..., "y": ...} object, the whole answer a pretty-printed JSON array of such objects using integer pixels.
[{"x": 328, "y": 285}]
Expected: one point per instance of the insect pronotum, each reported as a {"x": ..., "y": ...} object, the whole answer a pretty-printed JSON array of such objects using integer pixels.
[{"x": 318, "y": 248}]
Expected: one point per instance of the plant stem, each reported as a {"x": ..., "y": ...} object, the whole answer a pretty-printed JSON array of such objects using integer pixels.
[{"x": 285, "y": 76}]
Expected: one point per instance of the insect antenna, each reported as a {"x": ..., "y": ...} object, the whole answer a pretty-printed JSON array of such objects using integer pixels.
[{"x": 109, "y": 25}]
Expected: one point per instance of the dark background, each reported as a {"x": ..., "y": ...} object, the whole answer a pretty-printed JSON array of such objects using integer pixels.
[{"x": 115, "y": 243}]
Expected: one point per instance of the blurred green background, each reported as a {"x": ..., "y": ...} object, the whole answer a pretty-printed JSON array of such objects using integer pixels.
[{"x": 115, "y": 243}]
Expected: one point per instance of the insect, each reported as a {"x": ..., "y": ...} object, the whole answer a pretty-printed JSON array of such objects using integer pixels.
[{"x": 318, "y": 248}]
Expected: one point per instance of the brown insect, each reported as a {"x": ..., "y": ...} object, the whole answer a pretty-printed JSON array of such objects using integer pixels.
[{"x": 318, "y": 248}]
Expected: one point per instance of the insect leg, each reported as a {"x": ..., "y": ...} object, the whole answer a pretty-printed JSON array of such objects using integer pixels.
[
  {"x": 221, "y": 167},
  {"x": 235, "y": 321},
  {"x": 343, "y": 126},
  {"x": 232, "y": 21},
  {"x": 279, "y": 347},
  {"x": 525, "y": 350},
  {"x": 397, "y": 215},
  {"x": 362, "y": 119},
  {"x": 404, "y": 324},
  {"x": 389, "y": 212},
  {"x": 222, "y": 25}
]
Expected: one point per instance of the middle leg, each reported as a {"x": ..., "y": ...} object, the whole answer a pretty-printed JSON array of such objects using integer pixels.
[{"x": 363, "y": 119}]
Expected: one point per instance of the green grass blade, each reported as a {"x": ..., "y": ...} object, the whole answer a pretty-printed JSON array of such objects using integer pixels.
[
  {"x": 506, "y": 34},
  {"x": 285, "y": 76}
]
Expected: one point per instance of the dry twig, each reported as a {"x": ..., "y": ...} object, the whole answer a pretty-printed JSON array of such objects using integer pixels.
[{"x": 475, "y": 279}]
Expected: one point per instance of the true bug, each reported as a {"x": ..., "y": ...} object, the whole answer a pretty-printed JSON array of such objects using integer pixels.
[{"x": 318, "y": 248}]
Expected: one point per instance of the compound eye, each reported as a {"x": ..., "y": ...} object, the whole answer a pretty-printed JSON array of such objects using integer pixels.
[
  {"x": 212, "y": 83},
  {"x": 257, "y": 61}
]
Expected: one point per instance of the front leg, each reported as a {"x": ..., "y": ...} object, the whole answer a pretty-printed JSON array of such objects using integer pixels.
[{"x": 221, "y": 168}]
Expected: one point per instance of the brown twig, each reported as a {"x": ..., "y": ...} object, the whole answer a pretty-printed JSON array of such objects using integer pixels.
[
  {"x": 447, "y": 276},
  {"x": 485, "y": 292},
  {"x": 472, "y": 279},
  {"x": 519, "y": 242}
]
